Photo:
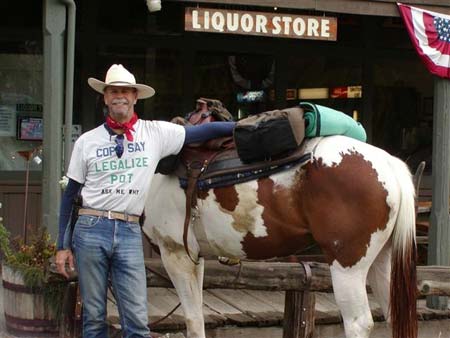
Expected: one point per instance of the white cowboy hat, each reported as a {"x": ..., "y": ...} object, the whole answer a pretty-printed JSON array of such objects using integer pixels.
[{"x": 117, "y": 75}]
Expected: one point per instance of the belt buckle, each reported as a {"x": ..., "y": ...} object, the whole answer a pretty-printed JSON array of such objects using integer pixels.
[{"x": 110, "y": 215}]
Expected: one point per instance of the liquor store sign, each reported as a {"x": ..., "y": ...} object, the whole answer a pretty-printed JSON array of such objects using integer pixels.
[{"x": 260, "y": 23}]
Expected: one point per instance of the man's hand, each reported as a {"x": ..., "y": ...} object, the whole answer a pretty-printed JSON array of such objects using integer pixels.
[{"x": 63, "y": 256}]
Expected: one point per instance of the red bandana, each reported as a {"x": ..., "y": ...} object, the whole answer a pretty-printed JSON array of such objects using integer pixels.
[{"x": 127, "y": 127}]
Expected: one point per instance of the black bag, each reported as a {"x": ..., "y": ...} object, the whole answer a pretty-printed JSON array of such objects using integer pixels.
[
  {"x": 167, "y": 165},
  {"x": 270, "y": 134}
]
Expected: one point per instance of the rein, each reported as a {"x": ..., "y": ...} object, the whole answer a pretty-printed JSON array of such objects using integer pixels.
[
  {"x": 171, "y": 311},
  {"x": 159, "y": 275},
  {"x": 194, "y": 171}
]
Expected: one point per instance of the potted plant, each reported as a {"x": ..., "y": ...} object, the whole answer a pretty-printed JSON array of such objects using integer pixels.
[{"x": 32, "y": 296}]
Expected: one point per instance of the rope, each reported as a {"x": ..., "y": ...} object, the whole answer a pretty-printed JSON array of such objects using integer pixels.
[
  {"x": 171, "y": 311},
  {"x": 112, "y": 300}
]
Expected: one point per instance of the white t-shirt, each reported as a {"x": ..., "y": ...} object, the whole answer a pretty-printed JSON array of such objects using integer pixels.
[{"x": 121, "y": 184}]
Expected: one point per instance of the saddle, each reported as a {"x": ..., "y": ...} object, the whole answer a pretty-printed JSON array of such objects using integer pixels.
[{"x": 217, "y": 164}]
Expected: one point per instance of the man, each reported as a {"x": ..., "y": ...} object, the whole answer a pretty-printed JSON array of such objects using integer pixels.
[{"x": 113, "y": 166}]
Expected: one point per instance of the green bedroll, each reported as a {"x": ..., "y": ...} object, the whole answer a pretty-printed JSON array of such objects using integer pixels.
[{"x": 325, "y": 121}]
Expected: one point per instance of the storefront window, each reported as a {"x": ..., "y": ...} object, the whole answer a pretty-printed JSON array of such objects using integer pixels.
[
  {"x": 339, "y": 78},
  {"x": 21, "y": 65},
  {"x": 20, "y": 111},
  {"x": 243, "y": 82},
  {"x": 403, "y": 111}
]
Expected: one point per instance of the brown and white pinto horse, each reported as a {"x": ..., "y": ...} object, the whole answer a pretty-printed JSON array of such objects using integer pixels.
[{"x": 354, "y": 200}]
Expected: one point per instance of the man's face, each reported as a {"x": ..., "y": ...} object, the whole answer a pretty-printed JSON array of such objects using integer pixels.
[{"x": 120, "y": 102}]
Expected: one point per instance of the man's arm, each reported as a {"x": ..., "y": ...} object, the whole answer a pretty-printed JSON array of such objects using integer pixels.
[
  {"x": 65, "y": 211},
  {"x": 64, "y": 254},
  {"x": 207, "y": 131}
]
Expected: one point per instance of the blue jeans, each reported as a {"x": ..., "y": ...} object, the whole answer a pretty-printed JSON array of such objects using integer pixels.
[{"x": 111, "y": 248}]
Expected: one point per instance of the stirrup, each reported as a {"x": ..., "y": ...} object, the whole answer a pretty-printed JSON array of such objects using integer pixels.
[{"x": 228, "y": 260}]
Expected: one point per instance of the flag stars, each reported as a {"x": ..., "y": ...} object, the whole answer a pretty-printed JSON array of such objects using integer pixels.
[{"x": 443, "y": 28}]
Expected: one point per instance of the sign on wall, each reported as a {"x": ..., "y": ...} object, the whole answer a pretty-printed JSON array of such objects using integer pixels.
[
  {"x": 7, "y": 120},
  {"x": 260, "y": 23},
  {"x": 350, "y": 92}
]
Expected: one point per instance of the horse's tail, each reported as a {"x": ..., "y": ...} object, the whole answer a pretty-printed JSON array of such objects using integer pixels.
[{"x": 403, "y": 289}]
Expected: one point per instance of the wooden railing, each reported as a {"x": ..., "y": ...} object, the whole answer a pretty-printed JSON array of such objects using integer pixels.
[{"x": 298, "y": 280}]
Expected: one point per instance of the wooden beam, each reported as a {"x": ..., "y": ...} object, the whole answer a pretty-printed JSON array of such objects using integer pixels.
[
  {"x": 359, "y": 7},
  {"x": 251, "y": 275},
  {"x": 444, "y": 3},
  {"x": 436, "y": 288},
  {"x": 276, "y": 276}
]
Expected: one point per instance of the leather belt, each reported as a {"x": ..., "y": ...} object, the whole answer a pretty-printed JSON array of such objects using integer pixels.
[{"x": 109, "y": 214}]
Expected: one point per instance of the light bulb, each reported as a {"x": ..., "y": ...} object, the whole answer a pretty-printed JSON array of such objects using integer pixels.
[
  {"x": 154, "y": 5},
  {"x": 37, "y": 160}
]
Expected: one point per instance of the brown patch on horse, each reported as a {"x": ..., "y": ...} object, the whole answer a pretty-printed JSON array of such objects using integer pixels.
[
  {"x": 344, "y": 205},
  {"x": 227, "y": 198},
  {"x": 202, "y": 194},
  {"x": 283, "y": 221},
  {"x": 240, "y": 205}
]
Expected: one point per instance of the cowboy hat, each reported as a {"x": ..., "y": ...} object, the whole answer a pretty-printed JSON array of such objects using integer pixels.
[{"x": 117, "y": 75}]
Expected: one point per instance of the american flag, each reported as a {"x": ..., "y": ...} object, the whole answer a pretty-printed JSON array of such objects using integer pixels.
[{"x": 430, "y": 33}]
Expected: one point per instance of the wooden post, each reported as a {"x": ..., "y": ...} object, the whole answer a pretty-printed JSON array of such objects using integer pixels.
[
  {"x": 70, "y": 325},
  {"x": 298, "y": 314},
  {"x": 299, "y": 310},
  {"x": 281, "y": 73},
  {"x": 54, "y": 25},
  {"x": 369, "y": 28},
  {"x": 88, "y": 58},
  {"x": 439, "y": 235}
]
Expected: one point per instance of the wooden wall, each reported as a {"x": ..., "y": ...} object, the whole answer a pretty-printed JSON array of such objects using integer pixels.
[{"x": 12, "y": 197}]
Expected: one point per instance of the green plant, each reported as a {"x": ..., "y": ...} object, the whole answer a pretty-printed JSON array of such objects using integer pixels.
[{"x": 32, "y": 260}]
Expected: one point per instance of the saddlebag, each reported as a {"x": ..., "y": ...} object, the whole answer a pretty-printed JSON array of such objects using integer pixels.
[{"x": 269, "y": 135}]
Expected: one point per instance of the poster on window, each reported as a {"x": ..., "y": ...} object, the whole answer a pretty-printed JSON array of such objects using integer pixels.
[
  {"x": 76, "y": 132},
  {"x": 7, "y": 120}
]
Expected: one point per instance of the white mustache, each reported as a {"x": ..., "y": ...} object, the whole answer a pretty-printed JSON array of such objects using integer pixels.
[{"x": 120, "y": 101}]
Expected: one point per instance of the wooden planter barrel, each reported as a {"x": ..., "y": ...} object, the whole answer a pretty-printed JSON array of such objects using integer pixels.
[{"x": 26, "y": 315}]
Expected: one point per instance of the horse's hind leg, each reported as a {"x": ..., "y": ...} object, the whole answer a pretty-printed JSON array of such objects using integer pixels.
[
  {"x": 349, "y": 286},
  {"x": 187, "y": 278},
  {"x": 379, "y": 278}
]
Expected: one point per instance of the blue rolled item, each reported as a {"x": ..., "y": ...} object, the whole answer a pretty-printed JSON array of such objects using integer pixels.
[{"x": 324, "y": 121}]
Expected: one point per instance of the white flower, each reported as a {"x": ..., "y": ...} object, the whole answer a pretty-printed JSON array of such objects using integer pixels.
[
  {"x": 0, "y": 205},
  {"x": 63, "y": 182}
]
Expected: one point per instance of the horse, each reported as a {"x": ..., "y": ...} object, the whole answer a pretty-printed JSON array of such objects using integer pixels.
[{"x": 353, "y": 200}]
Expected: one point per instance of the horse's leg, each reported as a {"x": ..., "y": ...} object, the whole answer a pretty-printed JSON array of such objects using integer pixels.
[
  {"x": 187, "y": 278},
  {"x": 349, "y": 285},
  {"x": 379, "y": 278}
]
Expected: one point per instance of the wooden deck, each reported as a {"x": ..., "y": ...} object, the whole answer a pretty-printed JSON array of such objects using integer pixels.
[{"x": 249, "y": 313}]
